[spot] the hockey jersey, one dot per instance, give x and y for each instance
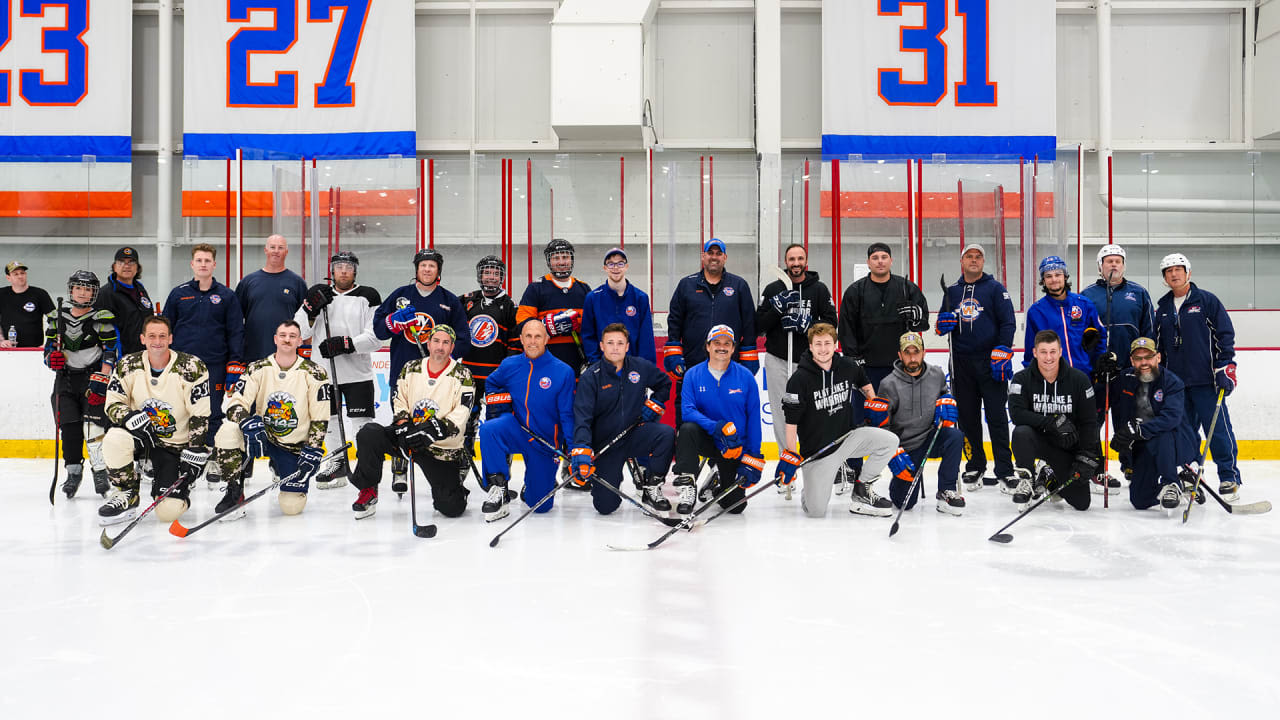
(350, 315)
(293, 401)
(176, 400)
(88, 340)
(448, 395)
(492, 325)
(734, 397)
(1069, 318)
(544, 297)
(604, 307)
(440, 305)
(541, 394)
(985, 314)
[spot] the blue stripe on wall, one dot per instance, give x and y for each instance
(923, 146)
(65, 148)
(272, 146)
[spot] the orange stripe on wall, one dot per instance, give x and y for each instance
(260, 203)
(936, 205)
(66, 204)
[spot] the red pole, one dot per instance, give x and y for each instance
(511, 245)
(329, 243)
(1110, 204)
(702, 198)
(835, 228)
(303, 216)
(622, 200)
(650, 230)
(1000, 227)
(528, 181)
(919, 217)
(502, 213)
(960, 208)
(420, 227)
(911, 230)
(240, 214)
(337, 225)
(227, 253)
(806, 208)
(1022, 232)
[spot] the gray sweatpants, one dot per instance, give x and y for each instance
(775, 376)
(877, 445)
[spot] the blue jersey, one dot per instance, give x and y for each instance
(442, 306)
(1132, 314)
(696, 307)
(734, 397)
(1069, 318)
(266, 300)
(985, 315)
(541, 394)
(544, 297)
(1196, 340)
(604, 307)
(207, 324)
(608, 400)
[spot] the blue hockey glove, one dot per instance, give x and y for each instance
(876, 411)
(1225, 377)
(652, 411)
(788, 463)
(749, 471)
(947, 322)
(496, 405)
(902, 467)
(255, 436)
(673, 360)
(1002, 363)
(728, 440)
(784, 301)
(309, 461)
(945, 413)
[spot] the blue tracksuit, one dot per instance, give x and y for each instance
(1132, 315)
(209, 325)
(609, 401)
(1171, 441)
(541, 400)
(443, 307)
(604, 307)
(695, 309)
(1194, 343)
(734, 397)
(1068, 317)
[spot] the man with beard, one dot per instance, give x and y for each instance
(1071, 316)
(876, 310)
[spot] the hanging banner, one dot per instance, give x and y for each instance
(294, 78)
(918, 77)
(65, 108)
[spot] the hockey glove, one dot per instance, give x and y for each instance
(876, 411)
(1064, 432)
(308, 462)
(563, 322)
(318, 296)
(1090, 339)
(902, 467)
(1082, 467)
(749, 358)
(410, 436)
(1225, 377)
(728, 440)
(335, 346)
(496, 405)
(96, 393)
(944, 412)
(1122, 442)
(784, 301)
(1108, 367)
(139, 425)
(583, 462)
(652, 411)
(55, 360)
(1001, 363)
(947, 322)
(407, 319)
(191, 463)
(911, 314)
(785, 472)
(438, 429)
(796, 322)
(673, 360)
(1134, 429)
(255, 436)
(234, 371)
(749, 471)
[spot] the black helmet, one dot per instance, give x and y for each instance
(346, 256)
(491, 261)
(429, 254)
(555, 247)
(83, 278)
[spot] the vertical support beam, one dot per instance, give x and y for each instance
(768, 124)
(836, 287)
(164, 155)
(1103, 17)
(622, 202)
(528, 194)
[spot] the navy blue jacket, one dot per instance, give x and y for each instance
(735, 397)
(1168, 401)
(604, 306)
(609, 401)
(1197, 340)
(541, 394)
(1132, 314)
(441, 305)
(207, 324)
(694, 310)
(985, 313)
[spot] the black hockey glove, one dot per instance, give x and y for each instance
(191, 463)
(1083, 466)
(1090, 338)
(318, 296)
(1063, 432)
(911, 314)
(139, 426)
(411, 436)
(1108, 367)
(335, 346)
(438, 429)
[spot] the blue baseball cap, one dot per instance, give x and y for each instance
(714, 242)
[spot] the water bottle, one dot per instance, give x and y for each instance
(13, 336)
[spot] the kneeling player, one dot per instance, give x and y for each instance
(159, 400)
(824, 400)
(611, 397)
(720, 407)
(432, 403)
(1055, 430)
(292, 394)
(1156, 442)
(528, 393)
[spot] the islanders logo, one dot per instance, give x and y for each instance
(634, 377)
(484, 331)
(280, 416)
(424, 410)
(421, 330)
(161, 415)
(728, 292)
(631, 311)
(215, 298)
(1076, 312)
(544, 383)
(1159, 396)
(969, 309)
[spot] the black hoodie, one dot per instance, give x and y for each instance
(1035, 401)
(823, 404)
(815, 298)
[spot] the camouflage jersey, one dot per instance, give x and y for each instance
(175, 397)
(293, 402)
(448, 395)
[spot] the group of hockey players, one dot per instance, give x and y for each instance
(569, 379)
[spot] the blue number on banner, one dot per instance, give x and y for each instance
(337, 90)
(68, 40)
(5, 30)
(925, 39)
(976, 89)
(277, 39)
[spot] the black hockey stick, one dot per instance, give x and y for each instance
(1253, 508)
(1005, 538)
(57, 409)
(893, 529)
(1106, 403)
(110, 542)
(1208, 438)
(422, 531)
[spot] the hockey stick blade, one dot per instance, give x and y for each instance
(424, 531)
(178, 530)
(1254, 508)
(1003, 538)
(110, 542)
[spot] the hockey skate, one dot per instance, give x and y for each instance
(231, 499)
(972, 480)
(651, 493)
(399, 476)
(844, 477)
(709, 490)
(950, 502)
(688, 493)
(1187, 476)
(1022, 493)
(120, 506)
(865, 501)
(1008, 484)
(1101, 483)
(75, 473)
(1043, 479)
(366, 503)
(1228, 489)
(333, 473)
(101, 481)
(497, 504)
(1171, 495)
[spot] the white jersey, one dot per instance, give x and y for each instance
(448, 396)
(293, 402)
(176, 398)
(350, 314)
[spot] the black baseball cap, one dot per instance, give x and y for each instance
(876, 247)
(127, 253)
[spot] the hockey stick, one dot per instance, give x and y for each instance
(110, 542)
(1253, 508)
(951, 377)
(1005, 538)
(333, 377)
(57, 406)
(1106, 403)
(786, 283)
(422, 531)
(893, 529)
(1208, 438)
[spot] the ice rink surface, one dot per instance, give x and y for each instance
(1106, 613)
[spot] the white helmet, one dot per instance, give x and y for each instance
(1110, 250)
(1174, 260)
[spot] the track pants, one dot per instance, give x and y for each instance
(1030, 445)
(978, 394)
(503, 437)
(374, 442)
(651, 444)
(1201, 399)
(693, 443)
(950, 447)
(877, 445)
(775, 376)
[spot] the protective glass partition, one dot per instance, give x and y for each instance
(368, 206)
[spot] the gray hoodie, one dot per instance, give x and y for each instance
(911, 401)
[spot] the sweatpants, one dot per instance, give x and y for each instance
(1200, 401)
(503, 437)
(978, 394)
(652, 444)
(950, 447)
(877, 445)
(694, 443)
(1030, 445)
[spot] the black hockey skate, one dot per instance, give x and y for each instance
(75, 473)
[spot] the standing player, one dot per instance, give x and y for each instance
(267, 297)
(158, 401)
(291, 395)
(420, 305)
(1071, 315)
(528, 393)
(784, 317)
(721, 421)
(618, 301)
(614, 393)
(556, 300)
(491, 321)
(433, 400)
(350, 310)
(824, 401)
(876, 310)
(1055, 434)
(81, 348)
(1197, 342)
(126, 297)
(978, 309)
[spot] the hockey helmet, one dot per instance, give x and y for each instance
(83, 278)
(491, 262)
(1053, 263)
(1174, 260)
(558, 246)
(346, 256)
(429, 254)
(1109, 250)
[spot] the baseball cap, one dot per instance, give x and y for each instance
(720, 331)
(909, 339)
(15, 265)
(714, 242)
(1142, 343)
(615, 251)
(876, 247)
(446, 329)
(972, 246)
(127, 253)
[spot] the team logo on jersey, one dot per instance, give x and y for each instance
(544, 383)
(115, 386)
(969, 309)
(1193, 309)
(728, 292)
(1076, 312)
(631, 311)
(484, 331)
(634, 377)
(280, 417)
(215, 299)
(734, 391)
(421, 332)
(161, 415)
(424, 410)
(1131, 296)
(402, 302)
(29, 307)
(146, 302)
(1159, 396)
(286, 291)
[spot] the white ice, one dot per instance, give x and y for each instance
(770, 614)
